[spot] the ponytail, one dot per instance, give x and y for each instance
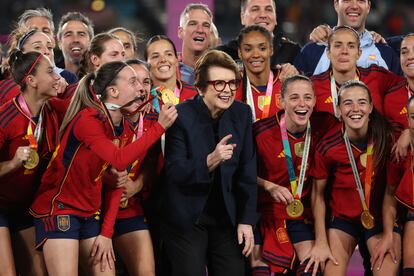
(82, 98)
(379, 129)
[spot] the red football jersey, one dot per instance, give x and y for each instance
(332, 163)
(401, 175)
(134, 207)
(18, 187)
(72, 183)
(259, 96)
(271, 159)
(8, 90)
(378, 80)
(395, 107)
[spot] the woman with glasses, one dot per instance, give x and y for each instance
(161, 55)
(209, 200)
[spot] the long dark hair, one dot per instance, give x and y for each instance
(379, 129)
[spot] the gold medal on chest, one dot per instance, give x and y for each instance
(32, 161)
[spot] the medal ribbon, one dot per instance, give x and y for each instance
(268, 97)
(334, 94)
(33, 138)
(177, 93)
(137, 135)
(296, 188)
(409, 92)
(368, 172)
(155, 101)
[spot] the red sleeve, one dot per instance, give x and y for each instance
(59, 106)
(390, 80)
(395, 172)
(112, 200)
(321, 166)
(90, 131)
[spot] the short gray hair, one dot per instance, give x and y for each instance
(39, 12)
(194, 6)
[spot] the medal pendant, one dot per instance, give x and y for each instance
(367, 220)
(295, 209)
(168, 96)
(32, 161)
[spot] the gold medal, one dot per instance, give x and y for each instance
(367, 220)
(295, 209)
(116, 142)
(299, 149)
(167, 96)
(32, 161)
(124, 204)
(363, 159)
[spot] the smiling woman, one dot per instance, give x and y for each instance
(261, 86)
(210, 176)
(354, 168)
(28, 137)
(161, 55)
(93, 135)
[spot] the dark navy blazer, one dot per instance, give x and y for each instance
(187, 181)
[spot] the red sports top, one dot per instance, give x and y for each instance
(8, 90)
(134, 207)
(259, 96)
(72, 183)
(401, 175)
(18, 187)
(271, 159)
(332, 163)
(395, 106)
(379, 81)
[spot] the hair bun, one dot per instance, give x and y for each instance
(15, 54)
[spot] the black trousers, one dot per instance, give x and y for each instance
(210, 245)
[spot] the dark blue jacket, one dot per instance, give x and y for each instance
(187, 181)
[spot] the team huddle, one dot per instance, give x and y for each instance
(254, 157)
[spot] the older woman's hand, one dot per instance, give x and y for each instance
(245, 233)
(221, 153)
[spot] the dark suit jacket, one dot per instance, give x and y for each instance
(187, 181)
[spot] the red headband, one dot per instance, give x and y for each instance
(31, 68)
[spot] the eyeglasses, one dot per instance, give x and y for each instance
(219, 85)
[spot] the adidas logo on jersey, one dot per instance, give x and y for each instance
(281, 154)
(329, 100)
(403, 111)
